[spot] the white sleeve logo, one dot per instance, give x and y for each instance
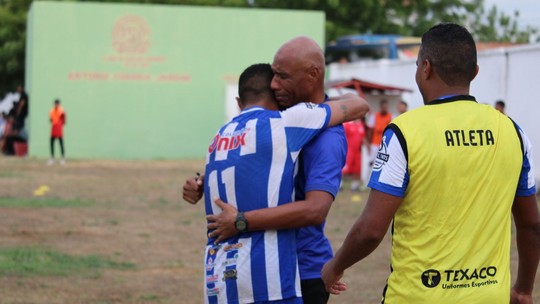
(382, 156)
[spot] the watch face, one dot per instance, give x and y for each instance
(241, 225)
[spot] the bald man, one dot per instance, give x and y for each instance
(299, 76)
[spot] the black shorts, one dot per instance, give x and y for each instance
(314, 292)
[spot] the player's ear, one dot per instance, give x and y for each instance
(427, 69)
(314, 72)
(476, 71)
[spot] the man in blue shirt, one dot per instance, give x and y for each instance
(299, 76)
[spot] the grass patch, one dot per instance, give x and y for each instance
(144, 235)
(9, 174)
(112, 222)
(149, 297)
(43, 202)
(36, 261)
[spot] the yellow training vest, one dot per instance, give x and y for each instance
(451, 234)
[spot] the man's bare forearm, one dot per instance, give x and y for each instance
(527, 221)
(346, 108)
(312, 211)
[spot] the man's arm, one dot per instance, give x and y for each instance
(347, 107)
(364, 236)
(311, 211)
(21, 104)
(322, 160)
(192, 191)
(527, 221)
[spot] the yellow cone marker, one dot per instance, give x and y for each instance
(41, 190)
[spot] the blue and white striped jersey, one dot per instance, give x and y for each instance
(250, 164)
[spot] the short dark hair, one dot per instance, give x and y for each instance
(255, 82)
(57, 100)
(451, 50)
(500, 103)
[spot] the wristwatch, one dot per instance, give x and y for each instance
(241, 223)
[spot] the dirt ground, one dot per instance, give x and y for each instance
(138, 216)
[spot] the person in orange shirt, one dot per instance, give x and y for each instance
(58, 120)
(377, 123)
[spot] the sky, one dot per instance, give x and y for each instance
(529, 10)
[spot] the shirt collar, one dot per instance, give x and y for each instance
(451, 98)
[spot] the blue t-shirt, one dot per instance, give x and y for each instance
(320, 165)
(250, 165)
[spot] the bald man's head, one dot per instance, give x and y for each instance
(299, 72)
(303, 50)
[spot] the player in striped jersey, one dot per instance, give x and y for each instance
(250, 163)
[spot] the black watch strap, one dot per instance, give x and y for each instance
(241, 223)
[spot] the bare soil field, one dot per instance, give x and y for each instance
(134, 213)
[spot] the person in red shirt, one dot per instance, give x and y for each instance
(58, 120)
(355, 131)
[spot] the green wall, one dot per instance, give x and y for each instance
(144, 81)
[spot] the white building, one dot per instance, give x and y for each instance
(508, 74)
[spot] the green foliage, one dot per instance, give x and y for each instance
(35, 261)
(410, 17)
(12, 43)
(43, 203)
(407, 17)
(494, 25)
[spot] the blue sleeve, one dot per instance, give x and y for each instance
(527, 183)
(390, 172)
(322, 160)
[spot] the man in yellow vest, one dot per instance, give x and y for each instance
(449, 174)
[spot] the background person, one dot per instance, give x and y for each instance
(3, 121)
(58, 120)
(355, 131)
(402, 107)
(20, 108)
(500, 106)
(449, 175)
(12, 135)
(377, 122)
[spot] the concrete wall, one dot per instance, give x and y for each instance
(145, 81)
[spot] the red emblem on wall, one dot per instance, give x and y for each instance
(131, 34)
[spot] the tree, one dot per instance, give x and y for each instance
(495, 26)
(406, 17)
(12, 43)
(410, 17)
